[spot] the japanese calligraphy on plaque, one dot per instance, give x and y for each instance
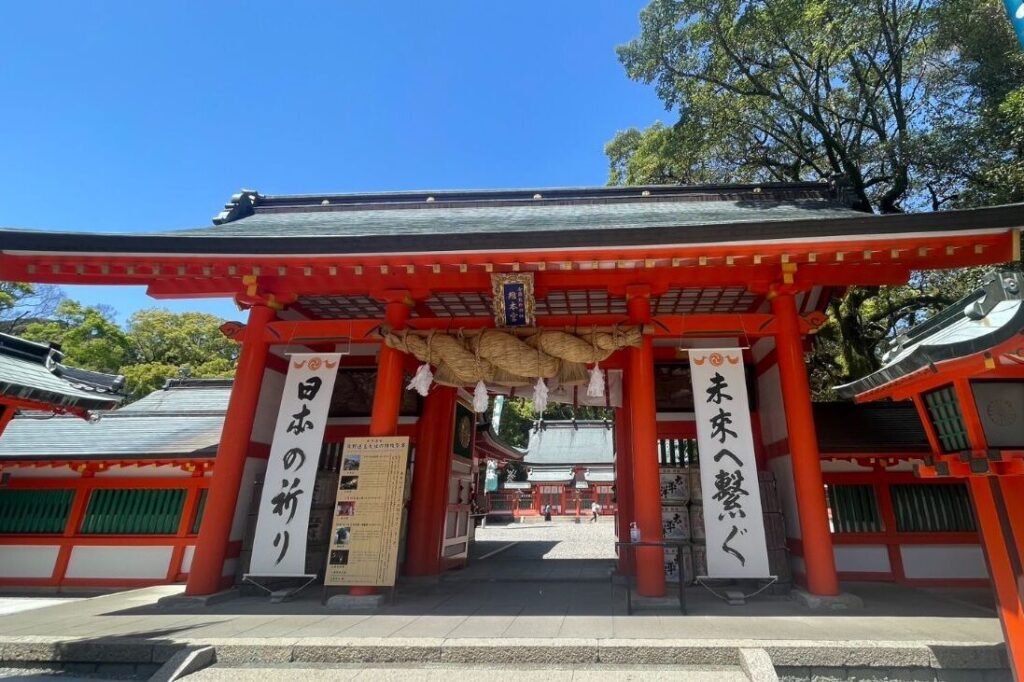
(733, 522)
(279, 545)
(363, 545)
(513, 299)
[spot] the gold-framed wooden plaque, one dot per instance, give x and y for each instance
(513, 299)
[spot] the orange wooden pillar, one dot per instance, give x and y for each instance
(387, 392)
(430, 483)
(650, 561)
(623, 480)
(205, 576)
(803, 447)
(999, 508)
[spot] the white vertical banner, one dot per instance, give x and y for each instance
(279, 546)
(733, 520)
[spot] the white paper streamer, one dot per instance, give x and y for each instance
(421, 380)
(480, 397)
(595, 389)
(540, 396)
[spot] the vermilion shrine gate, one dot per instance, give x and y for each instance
(741, 266)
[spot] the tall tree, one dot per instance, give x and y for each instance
(917, 103)
(790, 89)
(157, 344)
(21, 304)
(88, 336)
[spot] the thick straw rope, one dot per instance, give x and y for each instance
(497, 357)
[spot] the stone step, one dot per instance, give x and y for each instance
(804, 660)
(442, 672)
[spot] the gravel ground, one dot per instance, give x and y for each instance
(556, 540)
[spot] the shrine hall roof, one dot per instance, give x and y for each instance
(489, 220)
(982, 320)
(34, 372)
(566, 442)
(183, 419)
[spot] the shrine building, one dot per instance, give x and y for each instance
(593, 294)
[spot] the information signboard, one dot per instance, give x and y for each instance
(363, 545)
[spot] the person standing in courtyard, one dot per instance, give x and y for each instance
(595, 511)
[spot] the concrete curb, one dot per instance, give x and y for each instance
(780, 653)
(757, 665)
(185, 663)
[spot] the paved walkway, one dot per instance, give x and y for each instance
(519, 597)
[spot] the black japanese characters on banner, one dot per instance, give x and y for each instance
(279, 546)
(732, 512)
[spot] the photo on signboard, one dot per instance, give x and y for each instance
(345, 508)
(351, 463)
(342, 535)
(338, 557)
(348, 483)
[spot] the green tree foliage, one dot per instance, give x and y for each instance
(21, 304)
(88, 336)
(155, 346)
(166, 345)
(917, 103)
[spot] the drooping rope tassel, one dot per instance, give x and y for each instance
(480, 397)
(421, 380)
(540, 396)
(595, 389)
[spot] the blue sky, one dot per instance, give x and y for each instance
(142, 116)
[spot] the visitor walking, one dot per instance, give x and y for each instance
(595, 511)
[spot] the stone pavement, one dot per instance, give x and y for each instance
(444, 673)
(520, 607)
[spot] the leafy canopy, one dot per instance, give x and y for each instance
(918, 104)
(156, 344)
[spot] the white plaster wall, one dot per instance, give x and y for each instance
(186, 558)
(119, 562)
(862, 558)
(149, 471)
(254, 468)
(782, 467)
(769, 405)
(27, 561)
(943, 561)
(268, 406)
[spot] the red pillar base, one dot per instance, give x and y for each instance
(999, 506)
